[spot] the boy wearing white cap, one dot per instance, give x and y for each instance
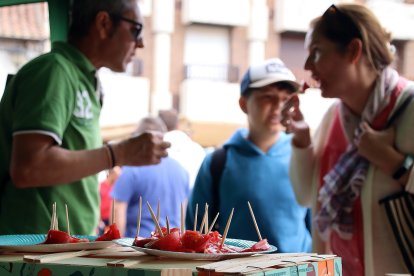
(256, 167)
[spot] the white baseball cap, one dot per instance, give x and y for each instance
(265, 73)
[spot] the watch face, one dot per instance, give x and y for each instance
(408, 161)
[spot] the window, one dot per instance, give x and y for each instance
(206, 53)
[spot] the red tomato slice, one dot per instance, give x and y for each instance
(76, 240)
(58, 237)
(262, 245)
(215, 237)
(194, 241)
(170, 242)
(214, 248)
(112, 234)
(164, 230)
(141, 242)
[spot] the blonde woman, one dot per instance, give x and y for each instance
(352, 161)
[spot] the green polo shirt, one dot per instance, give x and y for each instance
(55, 95)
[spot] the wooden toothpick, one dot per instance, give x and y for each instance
(158, 210)
(254, 221)
(55, 218)
(52, 217)
(157, 225)
(167, 222)
(195, 217)
(212, 224)
(67, 219)
(182, 219)
(204, 221)
(226, 230)
(139, 216)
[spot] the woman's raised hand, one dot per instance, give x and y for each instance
(293, 121)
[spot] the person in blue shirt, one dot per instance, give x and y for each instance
(256, 167)
(166, 183)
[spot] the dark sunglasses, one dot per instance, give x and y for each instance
(341, 23)
(136, 31)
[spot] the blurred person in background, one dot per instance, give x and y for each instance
(50, 142)
(185, 125)
(183, 149)
(352, 161)
(256, 167)
(165, 183)
(105, 188)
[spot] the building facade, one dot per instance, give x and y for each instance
(197, 50)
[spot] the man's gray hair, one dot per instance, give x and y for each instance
(170, 118)
(150, 124)
(83, 13)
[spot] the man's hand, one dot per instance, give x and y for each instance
(146, 149)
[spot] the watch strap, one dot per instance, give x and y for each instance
(405, 166)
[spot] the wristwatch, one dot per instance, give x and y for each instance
(405, 166)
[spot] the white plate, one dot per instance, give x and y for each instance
(198, 256)
(32, 244)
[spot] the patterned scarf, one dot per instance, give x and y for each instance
(343, 184)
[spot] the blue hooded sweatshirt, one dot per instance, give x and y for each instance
(262, 179)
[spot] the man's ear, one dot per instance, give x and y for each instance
(355, 50)
(243, 104)
(104, 24)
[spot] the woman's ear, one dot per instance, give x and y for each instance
(243, 104)
(355, 50)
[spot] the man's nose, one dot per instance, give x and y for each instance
(139, 43)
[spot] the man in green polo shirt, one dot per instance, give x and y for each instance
(50, 143)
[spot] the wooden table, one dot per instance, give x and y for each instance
(145, 265)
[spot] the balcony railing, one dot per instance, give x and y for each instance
(226, 73)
